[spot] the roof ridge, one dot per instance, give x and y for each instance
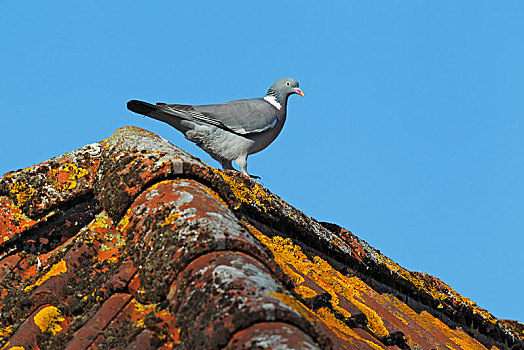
(108, 199)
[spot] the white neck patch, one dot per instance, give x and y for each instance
(273, 101)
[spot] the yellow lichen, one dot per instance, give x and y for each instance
(144, 309)
(402, 310)
(101, 221)
(18, 216)
(293, 303)
(459, 340)
(66, 177)
(114, 240)
(256, 196)
(352, 289)
(305, 292)
(55, 270)
(341, 329)
(6, 331)
(170, 219)
(399, 311)
(465, 341)
(101, 230)
(158, 184)
(123, 222)
(393, 266)
(296, 265)
(215, 195)
(435, 293)
(22, 192)
(48, 318)
(111, 260)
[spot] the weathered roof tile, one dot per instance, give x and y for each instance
(132, 243)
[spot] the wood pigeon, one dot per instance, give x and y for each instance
(230, 131)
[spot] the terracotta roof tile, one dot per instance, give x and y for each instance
(132, 243)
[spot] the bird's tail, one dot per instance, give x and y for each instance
(159, 112)
(141, 107)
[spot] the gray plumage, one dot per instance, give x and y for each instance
(230, 131)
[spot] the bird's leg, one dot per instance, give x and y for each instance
(242, 163)
(226, 165)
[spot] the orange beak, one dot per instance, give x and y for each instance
(298, 91)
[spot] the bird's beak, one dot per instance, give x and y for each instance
(298, 91)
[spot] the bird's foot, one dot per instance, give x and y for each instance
(249, 176)
(255, 179)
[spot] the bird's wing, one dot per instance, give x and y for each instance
(240, 116)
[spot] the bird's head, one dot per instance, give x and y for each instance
(284, 87)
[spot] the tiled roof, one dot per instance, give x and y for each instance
(131, 243)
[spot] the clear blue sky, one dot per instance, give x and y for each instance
(410, 134)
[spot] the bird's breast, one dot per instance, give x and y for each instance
(263, 139)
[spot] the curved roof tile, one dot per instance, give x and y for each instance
(132, 243)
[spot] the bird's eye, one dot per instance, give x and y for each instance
(287, 83)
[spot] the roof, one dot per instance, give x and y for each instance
(132, 243)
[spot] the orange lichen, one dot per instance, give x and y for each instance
(55, 270)
(107, 239)
(297, 265)
(139, 312)
(175, 335)
(66, 177)
(15, 221)
(102, 221)
(21, 192)
(48, 318)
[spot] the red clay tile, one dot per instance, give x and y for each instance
(132, 242)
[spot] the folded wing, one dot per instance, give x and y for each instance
(240, 116)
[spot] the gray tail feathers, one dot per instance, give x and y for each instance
(159, 113)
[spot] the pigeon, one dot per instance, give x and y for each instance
(230, 131)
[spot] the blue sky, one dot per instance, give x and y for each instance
(410, 134)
